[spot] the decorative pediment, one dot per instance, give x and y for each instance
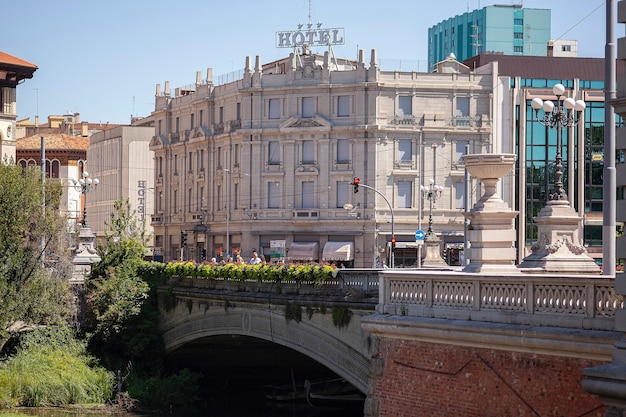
(158, 140)
(305, 123)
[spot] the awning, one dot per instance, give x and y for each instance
(338, 251)
(304, 251)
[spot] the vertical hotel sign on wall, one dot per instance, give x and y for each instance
(141, 199)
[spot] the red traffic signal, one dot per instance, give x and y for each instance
(355, 182)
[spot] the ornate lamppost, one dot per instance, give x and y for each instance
(559, 246)
(565, 113)
(84, 185)
(432, 192)
(84, 253)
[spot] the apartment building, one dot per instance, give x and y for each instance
(266, 162)
(121, 160)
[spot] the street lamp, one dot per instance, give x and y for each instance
(226, 170)
(432, 193)
(564, 113)
(84, 185)
(559, 247)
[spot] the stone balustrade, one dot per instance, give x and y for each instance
(539, 300)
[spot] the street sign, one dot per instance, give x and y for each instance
(419, 235)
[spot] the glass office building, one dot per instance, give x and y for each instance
(508, 29)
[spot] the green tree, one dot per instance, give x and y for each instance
(29, 293)
(115, 292)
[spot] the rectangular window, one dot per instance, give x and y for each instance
(273, 156)
(343, 151)
(404, 194)
(201, 121)
(308, 194)
(160, 125)
(462, 106)
(518, 35)
(189, 199)
(274, 108)
(273, 194)
(343, 193)
(238, 111)
(236, 155)
(405, 150)
(219, 198)
(190, 161)
(459, 194)
(405, 106)
(343, 106)
(518, 49)
(308, 152)
(518, 21)
(177, 125)
(193, 119)
(221, 115)
(308, 107)
(459, 149)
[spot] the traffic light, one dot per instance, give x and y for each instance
(183, 238)
(393, 243)
(355, 182)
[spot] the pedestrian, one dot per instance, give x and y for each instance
(255, 259)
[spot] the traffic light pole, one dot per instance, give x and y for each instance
(357, 184)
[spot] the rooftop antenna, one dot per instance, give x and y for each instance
(476, 38)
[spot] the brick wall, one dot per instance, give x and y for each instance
(427, 379)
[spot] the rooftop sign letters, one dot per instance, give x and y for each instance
(310, 36)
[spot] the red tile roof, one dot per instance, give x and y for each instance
(13, 60)
(54, 141)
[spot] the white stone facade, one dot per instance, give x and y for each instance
(271, 157)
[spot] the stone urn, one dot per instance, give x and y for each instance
(491, 232)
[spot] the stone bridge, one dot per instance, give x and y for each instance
(417, 339)
(322, 323)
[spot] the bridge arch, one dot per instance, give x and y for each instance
(343, 350)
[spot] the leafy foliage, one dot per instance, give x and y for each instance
(51, 367)
(28, 293)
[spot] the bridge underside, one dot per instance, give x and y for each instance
(343, 350)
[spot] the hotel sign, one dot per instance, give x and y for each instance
(311, 37)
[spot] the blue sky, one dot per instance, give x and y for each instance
(103, 59)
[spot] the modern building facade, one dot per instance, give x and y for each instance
(509, 29)
(121, 160)
(13, 70)
(267, 162)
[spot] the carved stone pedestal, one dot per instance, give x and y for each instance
(558, 248)
(85, 256)
(433, 258)
(491, 230)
